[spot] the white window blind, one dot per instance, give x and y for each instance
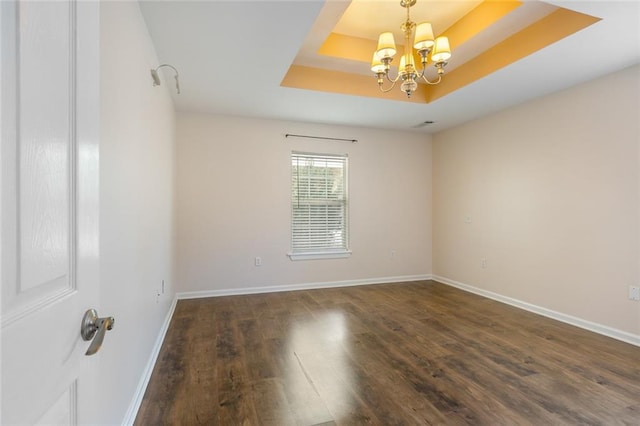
(319, 204)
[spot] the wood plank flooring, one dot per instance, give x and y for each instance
(418, 353)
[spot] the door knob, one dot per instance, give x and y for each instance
(95, 328)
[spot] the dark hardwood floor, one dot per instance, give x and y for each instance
(411, 353)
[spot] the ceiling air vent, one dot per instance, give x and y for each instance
(424, 123)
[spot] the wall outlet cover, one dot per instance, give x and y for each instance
(634, 292)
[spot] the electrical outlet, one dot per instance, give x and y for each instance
(634, 293)
(393, 254)
(467, 219)
(484, 263)
(258, 261)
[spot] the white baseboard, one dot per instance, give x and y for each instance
(134, 406)
(624, 336)
(293, 287)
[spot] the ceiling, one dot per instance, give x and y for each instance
(309, 60)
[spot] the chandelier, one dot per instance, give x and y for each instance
(423, 43)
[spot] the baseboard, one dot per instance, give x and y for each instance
(624, 336)
(130, 416)
(294, 287)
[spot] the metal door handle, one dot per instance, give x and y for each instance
(95, 328)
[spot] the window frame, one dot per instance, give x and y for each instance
(326, 252)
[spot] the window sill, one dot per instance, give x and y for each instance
(320, 255)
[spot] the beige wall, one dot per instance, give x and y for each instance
(552, 189)
(136, 206)
(234, 203)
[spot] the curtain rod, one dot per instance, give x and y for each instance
(320, 137)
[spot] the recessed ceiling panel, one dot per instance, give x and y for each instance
(484, 35)
(367, 18)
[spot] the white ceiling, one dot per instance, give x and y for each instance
(232, 56)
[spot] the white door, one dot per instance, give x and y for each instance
(49, 178)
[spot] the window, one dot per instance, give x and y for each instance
(318, 206)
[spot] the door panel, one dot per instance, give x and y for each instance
(43, 139)
(62, 411)
(49, 119)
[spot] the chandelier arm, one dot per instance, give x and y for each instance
(393, 80)
(426, 80)
(381, 81)
(389, 89)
